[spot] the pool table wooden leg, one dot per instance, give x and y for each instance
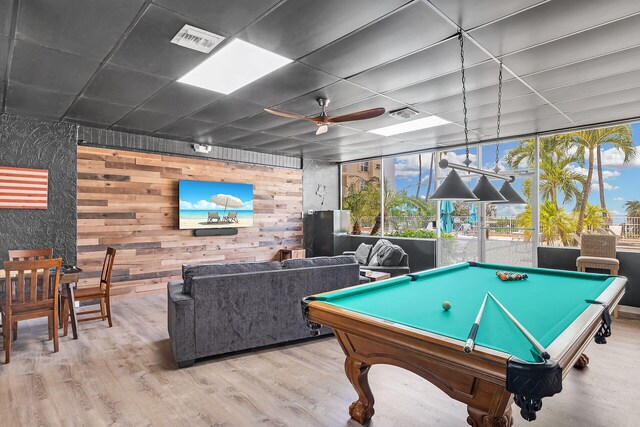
(479, 418)
(362, 409)
(582, 361)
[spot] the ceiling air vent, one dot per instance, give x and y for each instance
(196, 39)
(403, 114)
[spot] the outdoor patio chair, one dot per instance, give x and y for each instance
(214, 217)
(232, 217)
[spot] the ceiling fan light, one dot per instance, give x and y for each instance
(485, 192)
(511, 195)
(322, 129)
(453, 188)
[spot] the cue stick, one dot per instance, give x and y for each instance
(474, 329)
(539, 348)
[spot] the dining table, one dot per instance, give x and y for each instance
(69, 276)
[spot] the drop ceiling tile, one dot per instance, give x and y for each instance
(359, 138)
(6, 6)
(90, 110)
(37, 102)
(148, 47)
(601, 114)
(333, 132)
(530, 127)
(123, 86)
(228, 109)
(187, 128)
(340, 93)
(294, 127)
(222, 15)
(479, 76)
(600, 101)
(618, 82)
(589, 44)
(603, 66)
(49, 69)
(179, 99)
(144, 121)
(488, 95)
(429, 132)
(521, 103)
(397, 34)
(222, 134)
(548, 22)
(472, 13)
(426, 64)
(260, 121)
(254, 139)
(288, 82)
(89, 28)
(296, 28)
(511, 118)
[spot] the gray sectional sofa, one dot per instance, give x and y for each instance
(221, 308)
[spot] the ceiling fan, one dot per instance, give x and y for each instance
(323, 121)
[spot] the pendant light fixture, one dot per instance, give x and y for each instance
(508, 193)
(453, 188)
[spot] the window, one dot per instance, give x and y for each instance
(361, 196)
(588, 184)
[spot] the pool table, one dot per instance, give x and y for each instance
(401, 322)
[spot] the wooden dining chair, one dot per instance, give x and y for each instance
(100, 292)
(30, 291)
(28, 255)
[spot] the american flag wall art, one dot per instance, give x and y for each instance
(22, 188)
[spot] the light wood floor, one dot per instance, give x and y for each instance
(126, 376)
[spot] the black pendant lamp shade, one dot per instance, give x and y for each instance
(485, 192)
(453, 188)
(511, 195)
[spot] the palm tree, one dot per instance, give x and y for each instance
(554, 175)
(589, 142)
(555, 223)
(594, 217)
(633, 208)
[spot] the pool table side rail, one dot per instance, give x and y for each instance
(367, 326)
(571, 343)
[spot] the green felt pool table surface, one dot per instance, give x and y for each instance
(545, 303)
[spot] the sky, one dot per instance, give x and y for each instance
(196, 195)
(620, 181)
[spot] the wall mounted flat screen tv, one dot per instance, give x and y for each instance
(206, 204)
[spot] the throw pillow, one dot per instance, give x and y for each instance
(390, 255)
(362, 253)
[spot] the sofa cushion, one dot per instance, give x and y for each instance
(362, 253)
(318, 261)
(193, 270)
(390, 255)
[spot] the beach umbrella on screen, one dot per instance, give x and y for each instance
(473, 214)
(446, 220)
(227, 201)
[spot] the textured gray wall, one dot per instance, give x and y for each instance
(326, 197)
(32, 143)
(325, 174)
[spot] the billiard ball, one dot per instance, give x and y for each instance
(446, 305)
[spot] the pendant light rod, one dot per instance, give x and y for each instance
(444, 163)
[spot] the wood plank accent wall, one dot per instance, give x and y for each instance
(129, 200)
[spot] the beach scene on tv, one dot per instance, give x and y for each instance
(215, 205)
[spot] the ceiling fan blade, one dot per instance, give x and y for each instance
(322, 129)
(360, 115)
(285, 114)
